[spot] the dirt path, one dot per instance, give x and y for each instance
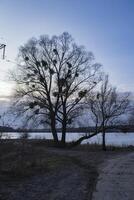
(116, 179)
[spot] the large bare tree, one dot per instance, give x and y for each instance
(106, 106)
(52, 78)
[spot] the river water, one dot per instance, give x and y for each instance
(116, 139)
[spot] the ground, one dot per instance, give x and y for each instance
(116, 179)
(30, 170)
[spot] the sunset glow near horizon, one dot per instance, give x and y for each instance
(105, 27)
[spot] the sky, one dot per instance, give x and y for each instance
(105, 27)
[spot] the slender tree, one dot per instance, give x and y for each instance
(106, 106)
(53, 76)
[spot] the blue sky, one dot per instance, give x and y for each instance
(105, 27)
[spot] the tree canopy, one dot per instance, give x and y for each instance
(53, 77)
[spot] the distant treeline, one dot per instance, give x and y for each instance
(118, 128)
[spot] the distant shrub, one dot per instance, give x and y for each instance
(24, 136)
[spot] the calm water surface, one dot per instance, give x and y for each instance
(117, 139)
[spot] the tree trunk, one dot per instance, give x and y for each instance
(54, 131)
(64, 126)
(55, 136)
(79, 141)
(103, 140)
(63, 139)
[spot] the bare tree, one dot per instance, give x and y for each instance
(106, 106)
(130, 120)
(53, 77)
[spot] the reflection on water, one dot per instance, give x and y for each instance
(117, 139)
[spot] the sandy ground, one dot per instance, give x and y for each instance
(116, 179)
